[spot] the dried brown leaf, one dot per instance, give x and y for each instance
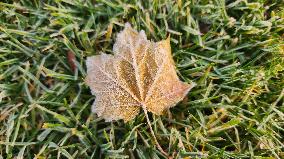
(141, 73)
(71, 60)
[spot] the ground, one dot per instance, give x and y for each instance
(232, 50)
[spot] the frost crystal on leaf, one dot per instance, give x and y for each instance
(140, 74)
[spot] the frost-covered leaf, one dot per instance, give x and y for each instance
(140, 74)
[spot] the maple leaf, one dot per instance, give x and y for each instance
(141, 73)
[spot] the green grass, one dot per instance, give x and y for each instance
(233, 50)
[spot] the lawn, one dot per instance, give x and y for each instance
(232, 49)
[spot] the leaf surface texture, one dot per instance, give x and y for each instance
(141, 73)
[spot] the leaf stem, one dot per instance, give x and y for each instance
(152, 132)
